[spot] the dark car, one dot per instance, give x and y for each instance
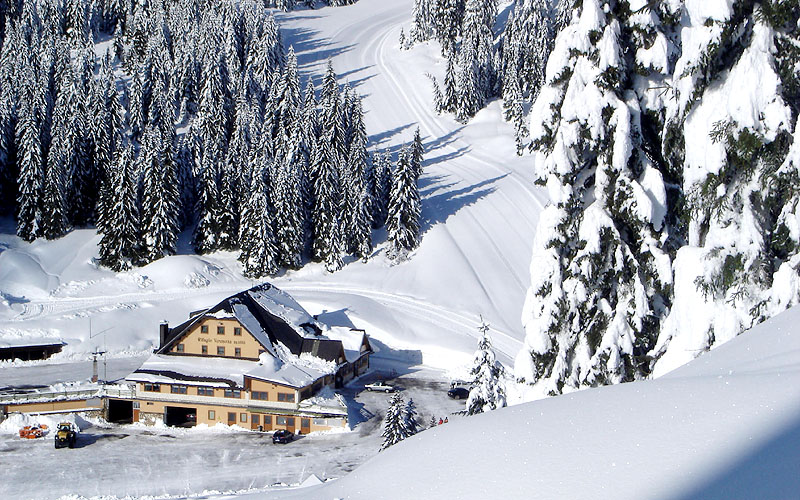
(282, 436)
(458, 393)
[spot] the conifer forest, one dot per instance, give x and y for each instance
(146, 119)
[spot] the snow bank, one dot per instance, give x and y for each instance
(724, 426)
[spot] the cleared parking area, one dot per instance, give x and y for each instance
(136, 460)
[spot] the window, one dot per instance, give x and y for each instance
(220, 350)
(280, 420)
(243, 417)
(305, 424)
(212, 415)
(267, 419)
(237, 331)
(233, 393)
(204, 349)
(152, 387)
(319, 421)
(204, 329)
(287, 398)
(220, 330)
(259, 395)
(231, 418)
(205, 391)
(178, 389)
(179, 348)
(256, 419)
(237, 351)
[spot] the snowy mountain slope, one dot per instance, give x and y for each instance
(480, 209)
(724, 426)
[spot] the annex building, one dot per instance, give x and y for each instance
(258, 360)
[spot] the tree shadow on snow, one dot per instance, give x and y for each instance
(311, 49)
(378, 139)
(335, 318)
(771, 470)
(439, 207)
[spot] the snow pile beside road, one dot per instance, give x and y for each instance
(17, 421)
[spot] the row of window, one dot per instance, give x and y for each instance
(221, 330)
(237, 351)
(256, 419)
(228, 393)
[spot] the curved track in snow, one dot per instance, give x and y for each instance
(480, 209)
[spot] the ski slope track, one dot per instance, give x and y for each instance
(479, 213)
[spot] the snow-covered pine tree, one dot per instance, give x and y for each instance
(381, 185)
(54, 204)
(307, 141)
(513, 106)
(423, 28)
(285, 105)
(527, 43)
(31, 165)
(208, 200)
(288, 202)
(105, 131)
(417, 153)
(448, 17)
(259, 253)
(731, 126)
(410, 423)
(476, 72)
(210, 122)
(160, 197)
(228, 221)
(487, 388)
(120, 246)
(394, 428)
(402, 224)
(332, 134)
(599, 276)
(357, 197)
(327, 242)
(450, 96)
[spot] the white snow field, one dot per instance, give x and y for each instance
(725, 426)
(480, 209)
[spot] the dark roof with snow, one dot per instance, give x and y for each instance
(272, 317)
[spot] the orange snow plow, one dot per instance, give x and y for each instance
(32, 431)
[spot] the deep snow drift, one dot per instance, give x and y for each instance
(724, 426)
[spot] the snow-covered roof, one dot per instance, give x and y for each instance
(12, 342)
(219, 372)
(351, 340)
(268, 313)
(287, 374)
(227, 372)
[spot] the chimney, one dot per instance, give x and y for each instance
(163, 331)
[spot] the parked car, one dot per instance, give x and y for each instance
(380, 386)
(282, 436)
(458, 393)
